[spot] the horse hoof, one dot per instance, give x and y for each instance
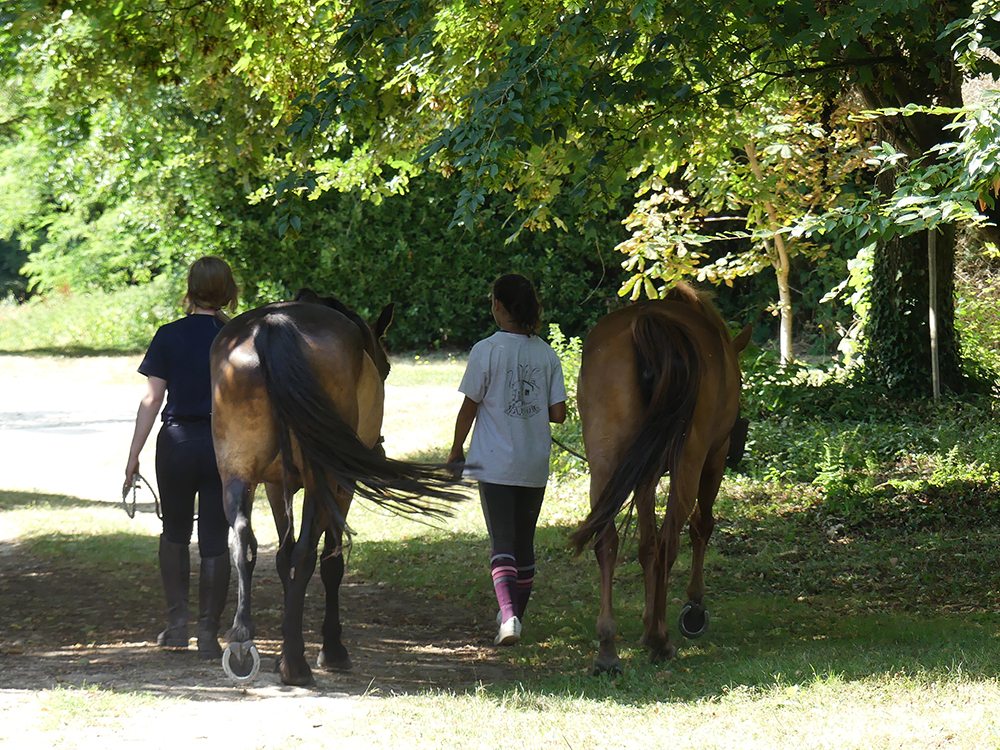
(614, 668)
(664, 653)
(328, 664)
(300, 677)
(693, 621)
(241, 662)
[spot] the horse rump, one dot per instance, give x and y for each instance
(667, 379)
(332, 452)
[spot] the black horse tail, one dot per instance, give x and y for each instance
(331, 450)
(668, 374)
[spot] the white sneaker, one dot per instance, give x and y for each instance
(510, 633)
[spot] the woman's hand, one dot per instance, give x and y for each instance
(149, 407)
(131, 473)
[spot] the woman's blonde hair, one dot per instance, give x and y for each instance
(211, 286)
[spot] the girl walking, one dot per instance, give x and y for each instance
(513, 386)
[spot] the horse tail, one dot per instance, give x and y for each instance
(331, 450)
(668, 376)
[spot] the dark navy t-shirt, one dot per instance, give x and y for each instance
(178, 354)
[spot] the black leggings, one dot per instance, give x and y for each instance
(185, 467)
(511, 514)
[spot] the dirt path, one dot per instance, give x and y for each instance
(64, 430)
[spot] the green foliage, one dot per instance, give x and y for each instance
(978, 312)
(405, 251)
(12, 284)
(871, 462)
(537, 102)
(94, 321)
(570, 433)
(950, 182)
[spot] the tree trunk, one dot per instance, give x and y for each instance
(898, 347)
(898, 351)
(782, 269)
(781, 263)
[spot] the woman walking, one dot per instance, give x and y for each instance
(176, 368)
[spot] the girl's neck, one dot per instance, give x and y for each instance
(203, 311)
(505, 320)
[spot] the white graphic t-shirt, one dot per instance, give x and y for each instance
(514, 379)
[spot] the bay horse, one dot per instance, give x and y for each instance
(658, 392)
(297, 400)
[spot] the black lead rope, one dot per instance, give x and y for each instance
(137, 480)
(568, 449)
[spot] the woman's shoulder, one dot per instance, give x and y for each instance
(191, 322)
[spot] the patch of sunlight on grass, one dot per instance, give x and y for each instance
(878, 712)
(96, 519)
(92, 706)
(416, 370)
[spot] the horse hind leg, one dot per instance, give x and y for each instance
(684, 486)
(285, 561)
(240, 658)
(693, 620)
(652, 558)
(606, 552)
(292, 663)
(333, 657)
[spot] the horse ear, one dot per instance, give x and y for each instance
(743, 338)
(384, 319)
(305, 294)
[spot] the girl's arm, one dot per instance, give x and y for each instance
(557, 412)
(463, 423)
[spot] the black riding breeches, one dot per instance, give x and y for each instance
(185, 467)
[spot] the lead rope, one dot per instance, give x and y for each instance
(568, 449)
(139, 479)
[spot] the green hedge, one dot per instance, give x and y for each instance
(404, 252)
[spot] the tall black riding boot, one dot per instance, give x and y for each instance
(175, 570)
(212, 590)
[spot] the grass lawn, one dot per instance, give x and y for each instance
(824, 634)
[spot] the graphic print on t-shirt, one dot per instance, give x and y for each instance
(523, 392)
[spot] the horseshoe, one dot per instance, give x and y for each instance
(247, 651)
(693, 621)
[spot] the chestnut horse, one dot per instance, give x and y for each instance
(658, 393)
(297, 397)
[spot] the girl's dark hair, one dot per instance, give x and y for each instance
(210, 285)
(518, 297)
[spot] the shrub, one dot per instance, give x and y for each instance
(95, 321)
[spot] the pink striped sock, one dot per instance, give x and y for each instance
(505, 584)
